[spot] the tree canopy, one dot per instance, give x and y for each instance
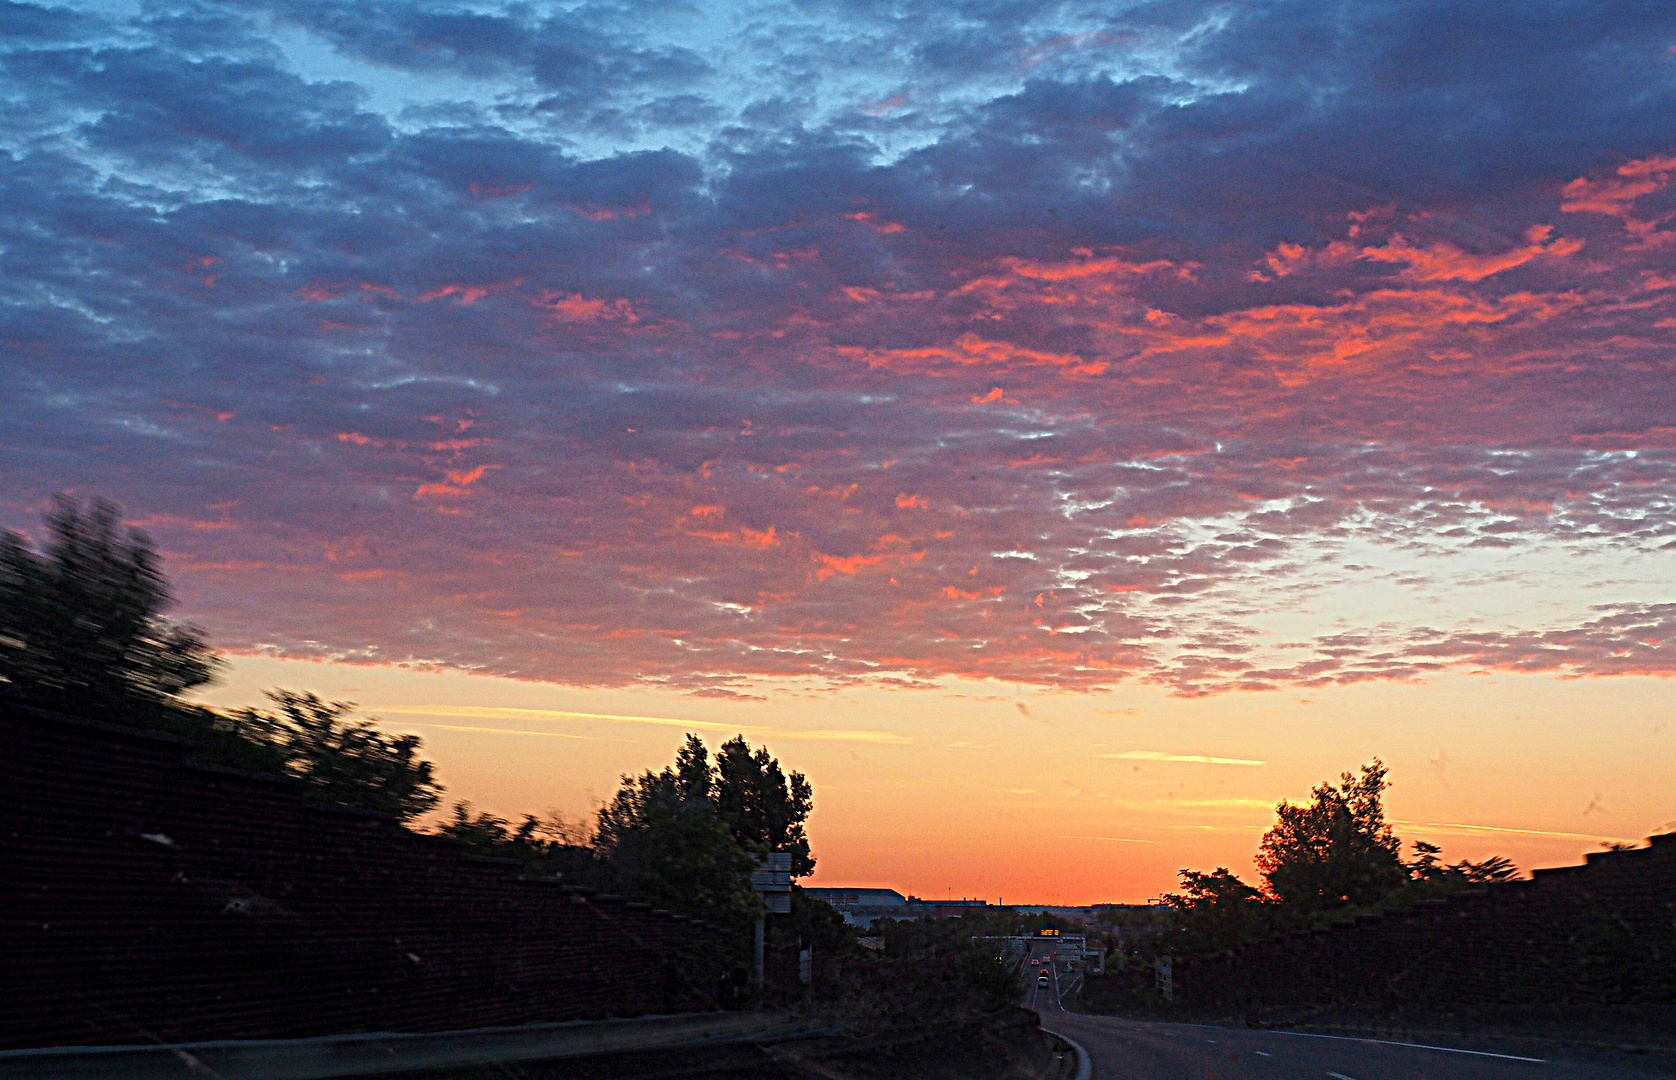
(1215, 911)
(666, 843)
(348, 762)
(1336, 849)
(82, 631)
(1427, 868)
(81, 621)
(763, 806)
(1334, 853)
(687, 836)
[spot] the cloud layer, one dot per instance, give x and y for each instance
(1210, 346)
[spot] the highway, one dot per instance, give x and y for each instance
(1121, 1049)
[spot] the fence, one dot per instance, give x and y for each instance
(153, 899)
(1599, 934)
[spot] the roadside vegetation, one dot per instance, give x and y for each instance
(1327, 859)
(84, 631)
(1331, 857)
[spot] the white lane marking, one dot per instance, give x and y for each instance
(1340, 1076)
(1262, 1053)
(1415, 1046)
(1387, 1042)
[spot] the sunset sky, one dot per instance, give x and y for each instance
(1060, 430)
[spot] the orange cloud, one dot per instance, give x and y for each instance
(574, 307)
(952, 593)
(850, 565)
(595, 212)
(1032, 270)
(170, 521)
(1444, 261)
(884, 228)
(466, 479)
(332, 290)
(970, 349)
(462, 294)
(1615, 196)
(743, 536)
(459, 482)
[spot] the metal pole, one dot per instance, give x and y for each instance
(759, 943)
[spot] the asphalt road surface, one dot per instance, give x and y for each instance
(1142, 1050)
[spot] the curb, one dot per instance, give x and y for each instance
(1085, 1065)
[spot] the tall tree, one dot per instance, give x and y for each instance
(1214, 911)
(81, 622)
(664, 842)
(1427, 868)
(345, 761)
(763, 806)
(1336, 849)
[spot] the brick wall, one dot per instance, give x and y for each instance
(148, 898)
(1599, 934)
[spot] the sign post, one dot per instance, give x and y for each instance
(772, 881)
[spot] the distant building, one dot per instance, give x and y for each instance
(849, 898)
(946, 909)
(1088, 914)
(862, 907)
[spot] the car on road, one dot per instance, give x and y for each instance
(1041, 980)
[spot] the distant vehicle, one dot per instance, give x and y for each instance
(1041, 980)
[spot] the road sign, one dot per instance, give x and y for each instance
(772, 881)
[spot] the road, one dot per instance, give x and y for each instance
(1121, 1049)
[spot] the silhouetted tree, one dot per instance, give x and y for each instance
(481, 830)
(81, 623)
(1428, 868)
(665, 843)
(1336, 849)
(548, 847)
(763, 806)
(344, 761)
(1214, 911)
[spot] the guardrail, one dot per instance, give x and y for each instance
(371, 1054)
